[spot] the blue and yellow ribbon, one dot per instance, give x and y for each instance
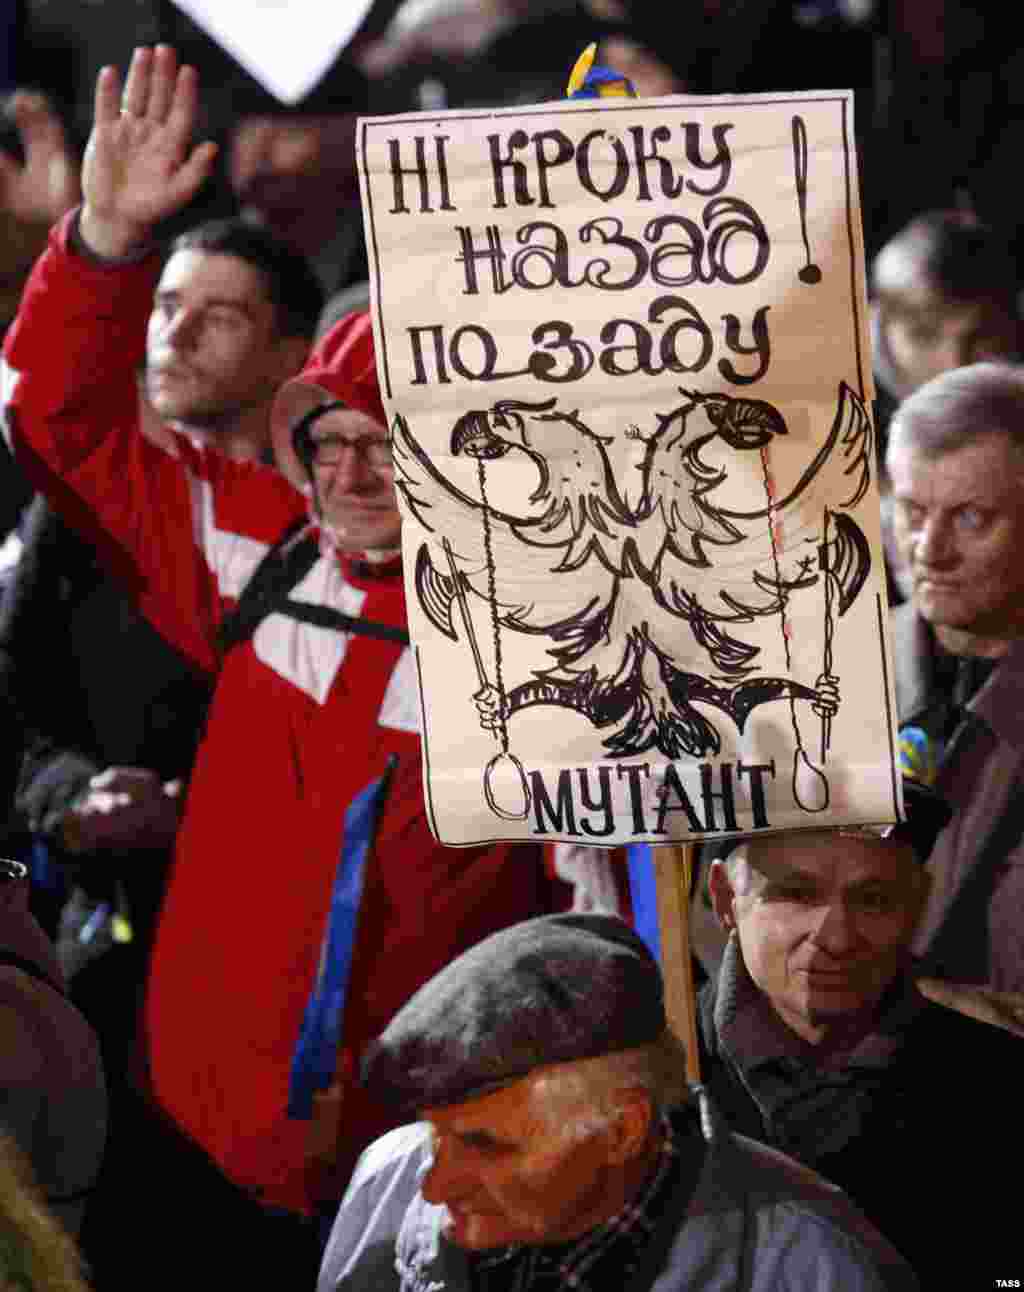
(590, 81)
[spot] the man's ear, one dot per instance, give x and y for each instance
(631, 1126)
(722, 895)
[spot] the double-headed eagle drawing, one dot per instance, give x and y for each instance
(675, 577)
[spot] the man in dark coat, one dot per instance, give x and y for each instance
(815, 1040)
(558, 1147)
(956, 462)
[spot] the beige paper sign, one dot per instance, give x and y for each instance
(622, 346)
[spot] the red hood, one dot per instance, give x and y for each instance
(343, 364)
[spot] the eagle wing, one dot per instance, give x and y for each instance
(786, 545)
(487, 551)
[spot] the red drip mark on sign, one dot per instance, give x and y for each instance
(775, 535)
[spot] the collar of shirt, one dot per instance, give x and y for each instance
(753, 1036)
(926, 689)
(748, 1029)
(358, 567)
(603, 1257)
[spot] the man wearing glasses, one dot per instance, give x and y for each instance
(311, 751)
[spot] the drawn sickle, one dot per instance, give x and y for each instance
(503, 755)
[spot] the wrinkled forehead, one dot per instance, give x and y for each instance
(523, 1105)
(504, 1107)
(215, 274)
(985, 469)
(828, 859)
(928, 305)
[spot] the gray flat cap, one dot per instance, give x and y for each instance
(549, 990)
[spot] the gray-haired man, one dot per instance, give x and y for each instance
(815, 1040)
(956, 463)
(557, 1147)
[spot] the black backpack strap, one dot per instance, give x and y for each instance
(283, 567)
(327, 617)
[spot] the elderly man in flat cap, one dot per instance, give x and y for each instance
(558, 1148)
(815, 1040)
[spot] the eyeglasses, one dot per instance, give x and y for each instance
(326, 451)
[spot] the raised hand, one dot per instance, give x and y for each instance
(140, 166)
(47, 185)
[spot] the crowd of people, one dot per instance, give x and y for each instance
(235, 965)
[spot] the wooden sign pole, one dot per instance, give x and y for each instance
(673, 870)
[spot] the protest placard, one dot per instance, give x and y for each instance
(622, 346)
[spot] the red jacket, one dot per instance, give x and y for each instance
(302, 719)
